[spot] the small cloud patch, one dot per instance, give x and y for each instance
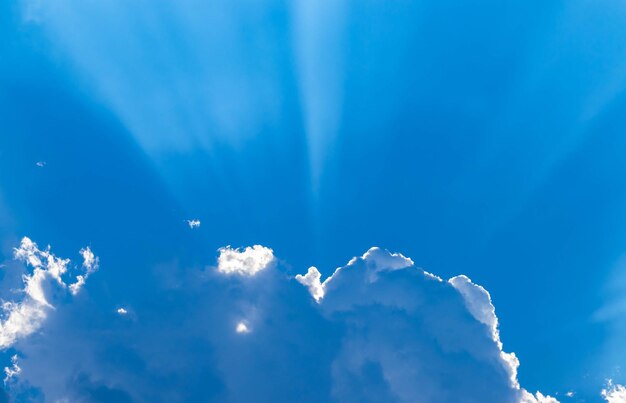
(242, 328)
(193, 224)
(248, 261)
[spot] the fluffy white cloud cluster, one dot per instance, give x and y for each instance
(476, 300)
(25, 316)
(614, 393)
(376, 260)
(312, 281)
(378, 330)
(449, 333)
(248, 261)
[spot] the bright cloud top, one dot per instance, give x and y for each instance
(248, 261)
(41, 287)
(378, 329)
(478, 303)
(312, 281)
(614, 393)
(371, 280)
(376, 260)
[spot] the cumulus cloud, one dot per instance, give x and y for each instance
(614, 393)
(248, 261)
(376, 259)
(378, 329)
(312, 281)
(45, 283)
(448, 336)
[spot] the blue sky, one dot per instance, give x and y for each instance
(483, 139)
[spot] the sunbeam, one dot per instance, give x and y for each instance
(210, 152)
(320, 45)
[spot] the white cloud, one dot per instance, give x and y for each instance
(90, 261)
(538, 397)
(77, 285)
(478, 302)
(122, 311)
(380, 260)
(376, 260)
(389, 284)
(90, 265)
(311, 280)
(614, 393)
(193, 223)
(24, 317)
(381, 330)
(242, 328)
(41, 164)
(248, 261)
(21, 319)
(12, 371)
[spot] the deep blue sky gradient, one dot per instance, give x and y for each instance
(485, 139)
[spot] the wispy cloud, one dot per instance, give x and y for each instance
(12, 371)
